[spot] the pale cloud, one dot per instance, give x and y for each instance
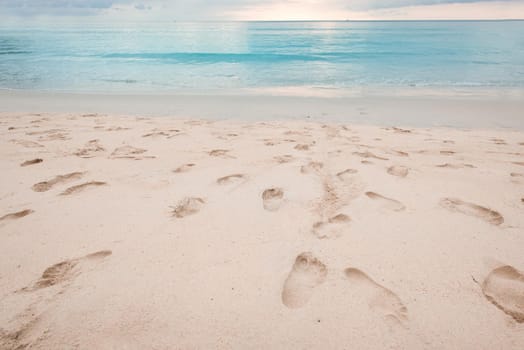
(264, 10)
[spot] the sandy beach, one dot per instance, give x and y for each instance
(133, 232)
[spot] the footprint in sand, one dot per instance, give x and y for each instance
(286, 158)
(386, 202)
(31, 162)
(471, 209)
(380, 299)
(368, 154)
(82, 187)
(17, 215)
(90, 150)
(302, 147)
(346, 175)
(129, 152)
(223, 153)
(272, 198)
(47, 185)
(456, 166)
(331, 228)
(184, 168)
(399, 130)
(188, 206)
(398, 153)
(231, 179)
(65, 270)
(307, 273)
(398, 170)
(504, 288)
(26, 143)
(311, 168)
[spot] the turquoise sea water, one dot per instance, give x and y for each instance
(169, 56)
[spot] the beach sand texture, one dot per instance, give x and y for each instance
(131, 233)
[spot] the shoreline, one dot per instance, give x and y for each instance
(473, 109)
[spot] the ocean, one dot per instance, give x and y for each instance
(168, 56)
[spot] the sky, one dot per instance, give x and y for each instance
(124, 10)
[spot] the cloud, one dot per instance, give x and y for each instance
(229, 9)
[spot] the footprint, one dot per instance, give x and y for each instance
(398, 170)
(504, 288)
(388, 203)
(380, 299)
(17, 215)
(224, 153)
(519, 163)
(26, 143)
(311, 168)
(31, 162)
(332, 227)
(64, 271)
(184, 168)
(286, 158)
(82, 187)
(129, 152)
(471, 209)
(231, 179)
(368, 154)
(307, 273)
(447, 153)
(456, 166)
(345, 175)
(272, 198)
(90, 150)
(400, 131)
(302, 147)
(188, 206)
(47, 185)
(399, 153)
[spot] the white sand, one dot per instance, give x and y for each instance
(173, 234)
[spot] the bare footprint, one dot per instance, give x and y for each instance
(184, 168)
(387, 203)
(456, 166)
(286, 158)
(331, 228)
(47, 185)
(380, 298)
(302, 147)
(82, 187)
(398, 170)
(90, 149)
(128, 152)
(231, 179)
(31, 162)
(64, 271)
(272, 198)
(307, 273)
(311, 168)
(224, 153)
(368, 154)
(471, 209)
(504, 288)
(188, 206)
(400, 130)
(26, 143)
(346, 175)
(17, 215)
